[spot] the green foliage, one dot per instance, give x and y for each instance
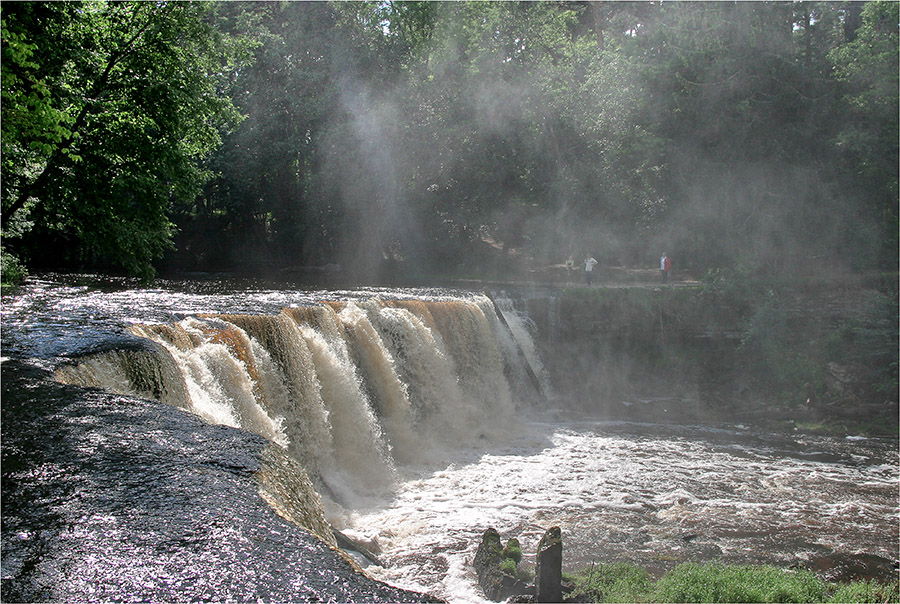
(109, 135)
(794, 369)
(783, 367)
(34, 122)
(513, 550)
(614, 582)
(12, 272)
(866, 592)
(766, 344)
(421, 133)
(511, 556)
(870, 340)
(508, 565)
(742, 286)
(713, 582)
(867, 70)
(718, 583)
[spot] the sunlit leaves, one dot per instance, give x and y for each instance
(33, 122)
(116, 127)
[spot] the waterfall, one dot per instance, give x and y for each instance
(216, 368)
(520, 328)
(348, 389)
(360, 451)
(146, 372)
(379, 372)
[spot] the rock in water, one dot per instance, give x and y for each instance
(496, 584)
(111, 498)
(548, 574)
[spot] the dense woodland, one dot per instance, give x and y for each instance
(401, 138)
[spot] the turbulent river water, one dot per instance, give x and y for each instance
(424, 417)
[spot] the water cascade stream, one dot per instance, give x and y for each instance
(409, 420)
(348, 388)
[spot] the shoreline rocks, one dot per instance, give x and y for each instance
(500, 578)
(494, 572)
(548, 575)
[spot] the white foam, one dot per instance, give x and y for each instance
(596, 486)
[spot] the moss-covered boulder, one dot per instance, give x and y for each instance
(497, 567)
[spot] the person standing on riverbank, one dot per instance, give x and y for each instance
(665, 265)
(570, 267)
(589, 264)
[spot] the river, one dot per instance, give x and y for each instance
(650, 494)
(424, 430)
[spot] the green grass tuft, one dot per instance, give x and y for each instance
(616, 582)
(866, 592)
(718, 583)
(712, 582)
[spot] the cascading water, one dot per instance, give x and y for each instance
(216, 365)
(422, 418)
(350, 389)
(376, 365)
(519, 342)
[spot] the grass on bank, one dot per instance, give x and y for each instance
(712, 582)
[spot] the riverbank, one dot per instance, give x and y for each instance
(649, 493)
(112, 498)
(861, 579)
(712, 582)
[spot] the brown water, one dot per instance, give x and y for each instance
(421, 430)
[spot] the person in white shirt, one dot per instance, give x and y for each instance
(665, 265)
(589, 264)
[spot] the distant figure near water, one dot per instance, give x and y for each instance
(665, 265)
(589, 264)
(570, 266)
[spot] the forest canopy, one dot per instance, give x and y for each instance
(404, 137)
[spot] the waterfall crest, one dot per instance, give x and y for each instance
(349, 389)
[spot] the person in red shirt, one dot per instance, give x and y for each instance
(665, 265)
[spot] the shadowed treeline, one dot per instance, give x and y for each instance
(419, 139)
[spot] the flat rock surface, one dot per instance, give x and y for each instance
(112, 498)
